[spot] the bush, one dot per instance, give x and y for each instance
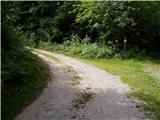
(74, 45)
(86, 49)
(23, 75)
(104, 52)
(81, 47)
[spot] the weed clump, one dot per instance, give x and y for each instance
(82, 99)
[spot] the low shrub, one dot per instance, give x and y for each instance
(81, 47)
(74, 45)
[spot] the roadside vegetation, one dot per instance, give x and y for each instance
(144, 86)
(121, 37)
(23, 74)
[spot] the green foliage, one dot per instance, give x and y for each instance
(23, 75)
(74, 45)
(106, 23)
(84, 11)
(112, 22)
(77, 46)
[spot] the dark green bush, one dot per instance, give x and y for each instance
(23, 74)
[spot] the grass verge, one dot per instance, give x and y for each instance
(50, 56)
(24, 76)
(144, 86)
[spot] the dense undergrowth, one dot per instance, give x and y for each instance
(23, 75)
(84, 48)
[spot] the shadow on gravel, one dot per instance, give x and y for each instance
(112, 105)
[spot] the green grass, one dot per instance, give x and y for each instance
(152, 66)
(144, 86)
(24, 76)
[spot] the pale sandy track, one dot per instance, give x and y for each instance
(109, 100)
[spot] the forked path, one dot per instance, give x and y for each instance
(97, 96)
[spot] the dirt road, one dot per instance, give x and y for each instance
(80, 91)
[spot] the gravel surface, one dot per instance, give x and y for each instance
(109, 99)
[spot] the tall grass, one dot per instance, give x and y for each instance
(84, 48)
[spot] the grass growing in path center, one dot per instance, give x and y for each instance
(50, 56)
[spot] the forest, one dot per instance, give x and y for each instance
(120, 37)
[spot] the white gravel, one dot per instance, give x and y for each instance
(109, 102)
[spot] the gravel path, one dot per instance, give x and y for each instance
(98, 95)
